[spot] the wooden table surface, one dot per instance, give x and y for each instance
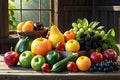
(19, 73)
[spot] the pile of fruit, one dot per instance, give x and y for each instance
(29, 26)
(47, 54)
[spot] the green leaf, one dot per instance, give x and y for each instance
(11, 6)
(85, 22)
(100, 27)
(25, 1)
(111, 32)
(116, 48)
(79, 21)
(93, 24)
(12, 0)
(111, 40)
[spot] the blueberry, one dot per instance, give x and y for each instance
(110, 68)
(105, 69)
(95, 68)
(97, 65)
(91, 70)
(116, 68)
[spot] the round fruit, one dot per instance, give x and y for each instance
(30, 22)
(83, 63)
(96, 57)
(37, 62)
(20, 25)
(52, 57)
(110, 54)
(27, 27)
(41, 46)
(69, 35)
(72, 46)
(25, 58)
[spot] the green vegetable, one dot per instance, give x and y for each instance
(61, 65)
(23, 44)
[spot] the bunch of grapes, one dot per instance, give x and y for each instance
(90, 41)
(105, 66)
(89, 36)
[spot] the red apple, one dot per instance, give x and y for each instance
(96, 57)
(11, 58)
(110, 54)
(69, 35)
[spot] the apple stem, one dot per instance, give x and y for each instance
(11, 48)
(97, 50)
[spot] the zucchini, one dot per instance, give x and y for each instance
(61, 65)
(22, 45)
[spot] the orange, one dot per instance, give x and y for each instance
(27, 27)
(20, 25)
(41, 46)
(30, 22)
(83, 63)
(69, 35)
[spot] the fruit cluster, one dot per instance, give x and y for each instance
(29, 26)
(104, 66)
(49, 53)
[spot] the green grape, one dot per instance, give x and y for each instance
(79, 25)
(90, 29)
(85, 27)
(78, 33)
(102, 33)
(81, 30)
(97, 33)
(75, 29)
(104, 37)
(74, 25)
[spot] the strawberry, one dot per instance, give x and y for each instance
(71, 66)
(60, 46)
(45, 67)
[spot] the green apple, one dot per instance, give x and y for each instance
(25, 58)
(72, 46)
(52, 57)
(37, 62)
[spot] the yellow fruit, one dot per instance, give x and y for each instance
(83, 63)
(55, 36)
(72, 45)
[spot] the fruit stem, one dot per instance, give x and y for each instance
(11, 48)
(97, 50)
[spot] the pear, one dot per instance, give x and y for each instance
(55, 36)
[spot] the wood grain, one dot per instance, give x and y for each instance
(20, 73)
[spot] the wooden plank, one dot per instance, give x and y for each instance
(20, 73)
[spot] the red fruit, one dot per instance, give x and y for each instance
(60, 46)
(96, 57)
(72, 66)
(11, 58)
(45, 67)
(110, 54)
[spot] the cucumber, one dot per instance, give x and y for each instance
(22, 45)
(61, 65)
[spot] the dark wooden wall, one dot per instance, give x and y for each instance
(105, 11)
